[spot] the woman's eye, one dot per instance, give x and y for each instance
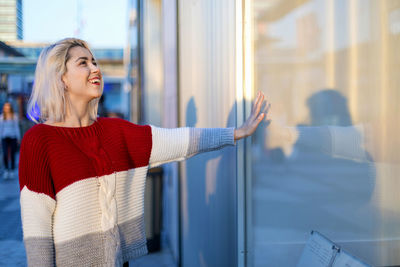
(95, 63)
(83, 63)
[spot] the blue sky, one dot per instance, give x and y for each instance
(104, 22)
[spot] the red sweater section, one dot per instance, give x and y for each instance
(52, 158)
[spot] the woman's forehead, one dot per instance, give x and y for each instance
(79, 51)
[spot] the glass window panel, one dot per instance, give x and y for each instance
(329, 160)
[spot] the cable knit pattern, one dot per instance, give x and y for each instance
(107, 201)
(82, 189)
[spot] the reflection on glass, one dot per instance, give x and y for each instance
(329, 160)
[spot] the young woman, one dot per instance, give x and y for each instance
(10, 136)
(81, 177)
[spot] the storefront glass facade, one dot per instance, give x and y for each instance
(329, 160)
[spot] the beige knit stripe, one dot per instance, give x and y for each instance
(36, 211)
(168, 145)
(130, 193)
(97, 204)
(78, 210)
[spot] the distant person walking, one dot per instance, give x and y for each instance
(82, 177)
(10, 136)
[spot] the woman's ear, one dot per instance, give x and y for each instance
(64, 81)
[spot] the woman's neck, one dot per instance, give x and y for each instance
(76, 122)
(74, 119)
(77, 114)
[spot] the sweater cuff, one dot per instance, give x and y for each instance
(208, 139)
(228, 136)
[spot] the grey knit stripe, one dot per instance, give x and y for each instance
(208, 139)
(83, 251)
(132, 234)
(110, 248)
(40, 251)
(133, 239)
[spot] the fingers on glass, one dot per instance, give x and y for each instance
(258, 103)
(261, 116)
(267, 107)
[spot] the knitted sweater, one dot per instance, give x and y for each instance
(82, 189)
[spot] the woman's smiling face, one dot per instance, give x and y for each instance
(83, 79)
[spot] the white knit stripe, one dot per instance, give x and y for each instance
(78, 210)
(96, 205)
(36, 213)
(168, 145)
(130, 193)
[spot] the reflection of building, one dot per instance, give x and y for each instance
(11, 20)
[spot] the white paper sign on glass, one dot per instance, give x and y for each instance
(319, 251)
(344, 259)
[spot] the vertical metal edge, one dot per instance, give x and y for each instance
(179, 118)
(140, 87)
(240, 148)
(248, 96)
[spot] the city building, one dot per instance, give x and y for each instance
(11, 20)
(14, 67)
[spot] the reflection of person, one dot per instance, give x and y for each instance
(326, 181)
(81, 177)
(10, 135)
(331, 131)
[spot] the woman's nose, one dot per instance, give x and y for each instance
(95, 68)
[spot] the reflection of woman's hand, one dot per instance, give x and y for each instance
(250, 125)
(279, 135)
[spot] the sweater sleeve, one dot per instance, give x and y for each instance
(37, 201)
(181, 143)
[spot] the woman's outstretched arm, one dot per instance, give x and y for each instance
(181, 143)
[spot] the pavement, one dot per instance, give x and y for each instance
(12, 252)
(162, 258)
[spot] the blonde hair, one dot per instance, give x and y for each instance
(48, 100)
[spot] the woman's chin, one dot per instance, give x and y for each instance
(96, 94)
